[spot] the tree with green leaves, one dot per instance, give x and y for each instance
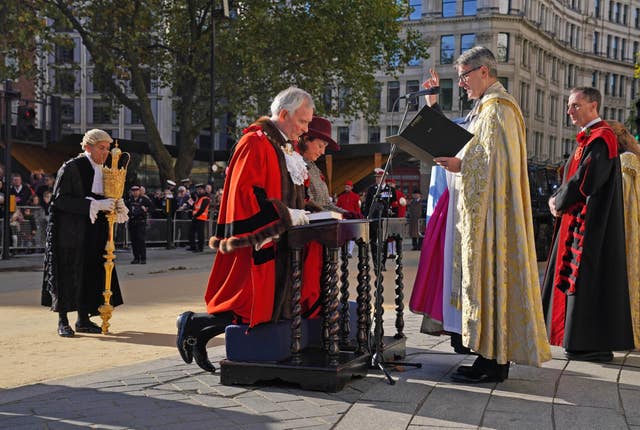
(331, 48)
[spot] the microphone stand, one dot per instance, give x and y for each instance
(377, 207)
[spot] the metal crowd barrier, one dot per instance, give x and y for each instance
(27, 240)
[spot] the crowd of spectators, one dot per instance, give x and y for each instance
(31, 199)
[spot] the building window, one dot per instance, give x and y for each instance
(594, 79)
(636, 18)
(467, 41)
(392, 130)
(553, 109)
(613, 82)
(540, 63)
(135, 118)
(525, 53)
(606, 83)
(65, 81)
(524, 97)
(447, 49)
(469, 7)
(610, 11)
(503, 47)
(412, 87)
(373, 135)
(617, 13)
(621, 86)
(416, 12)
(625, 14)
(504, 7)
(377, 96)
(616, 41)
(343, 98)
(101, 112)
(446, 94)
(326, 100)
(393, 92)
(570, 71)
(605, 113)
(539, 104)
(448, 8)
(67, 111)
(597, 8)
(554, 69)
(64, 54)
(596, 43)
(343, 135)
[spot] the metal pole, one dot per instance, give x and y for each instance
(6, 235)
(212, 157)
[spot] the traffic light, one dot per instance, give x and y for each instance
(26, 121)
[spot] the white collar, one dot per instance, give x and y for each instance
(590, 123)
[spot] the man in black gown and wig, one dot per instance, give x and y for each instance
(77, 232)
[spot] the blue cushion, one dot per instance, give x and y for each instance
(272, 341)
(265, 342)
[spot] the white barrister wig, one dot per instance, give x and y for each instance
(402, 201)
(94, 136)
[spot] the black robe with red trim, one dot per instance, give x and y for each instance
(585, 292)
(251, 280)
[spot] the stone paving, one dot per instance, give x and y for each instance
(168, 394)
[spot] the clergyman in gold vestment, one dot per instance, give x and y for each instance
(500, 300)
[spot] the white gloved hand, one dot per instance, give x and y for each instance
(298, 216)
(122, 212)
(100, 205)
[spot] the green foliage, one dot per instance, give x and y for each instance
(324, 46)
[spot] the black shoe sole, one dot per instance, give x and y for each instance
(596, 356)
(181, 340)
(476, 379)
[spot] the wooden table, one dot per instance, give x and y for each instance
(331, 366)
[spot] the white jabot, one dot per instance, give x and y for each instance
(98, 186)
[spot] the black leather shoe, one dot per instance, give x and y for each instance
(143, 261)
(88, 327)
(184, 342)
(65, 331)
(201, 356)
(135, 261)
(597, 356)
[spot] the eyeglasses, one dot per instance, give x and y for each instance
(464, 77)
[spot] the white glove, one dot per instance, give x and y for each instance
(122, 212)
(106, 205)
(298, 216)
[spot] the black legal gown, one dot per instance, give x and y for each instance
(74, 273)
(598, 315)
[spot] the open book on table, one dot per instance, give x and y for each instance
(323, 216)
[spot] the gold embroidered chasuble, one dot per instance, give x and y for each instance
(501, 304)
(630, 165)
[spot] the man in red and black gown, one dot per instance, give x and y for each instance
(585, 291)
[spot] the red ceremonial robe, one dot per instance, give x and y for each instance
(585, 295)
(251, 282)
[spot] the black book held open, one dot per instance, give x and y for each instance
(430, 134)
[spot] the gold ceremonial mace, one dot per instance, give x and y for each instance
(114, 179)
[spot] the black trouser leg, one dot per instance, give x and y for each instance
(204, 326)
(200, 235)
(63, 319)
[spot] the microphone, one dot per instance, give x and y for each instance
(426, 92)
